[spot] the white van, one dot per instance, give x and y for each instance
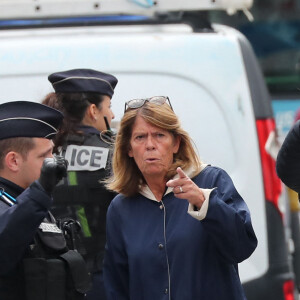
(215, 86)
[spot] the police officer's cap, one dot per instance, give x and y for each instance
(28, 119)
(83, 81)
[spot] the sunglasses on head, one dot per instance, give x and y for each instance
(137, 103)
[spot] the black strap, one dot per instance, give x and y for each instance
(78, 270)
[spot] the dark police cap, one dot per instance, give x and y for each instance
(83, 81)
(28, 119)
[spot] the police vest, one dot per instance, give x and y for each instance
(83, 197)
(52, 272)
(86, 153)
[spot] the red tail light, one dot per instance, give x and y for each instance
(272, 184)
(288, 290)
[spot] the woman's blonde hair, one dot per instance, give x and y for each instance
(127, 177)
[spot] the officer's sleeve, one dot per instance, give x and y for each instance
(115, 266)
(228, 221)
(288, 159)
(18, 225)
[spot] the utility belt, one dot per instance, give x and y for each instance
(61, 278)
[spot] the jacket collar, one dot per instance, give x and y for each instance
(10, 187)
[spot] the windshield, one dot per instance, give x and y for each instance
(275, 37)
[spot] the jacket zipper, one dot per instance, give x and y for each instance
(165, 239)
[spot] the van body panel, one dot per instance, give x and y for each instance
(210, 78)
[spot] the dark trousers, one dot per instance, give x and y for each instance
(97, 291)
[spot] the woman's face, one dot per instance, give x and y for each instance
(152, 148)
(104, 111)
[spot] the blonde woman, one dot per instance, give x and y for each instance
(178, 228)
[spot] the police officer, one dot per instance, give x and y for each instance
(84, 96)
(34, 259)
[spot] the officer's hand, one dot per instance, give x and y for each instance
(53, 170)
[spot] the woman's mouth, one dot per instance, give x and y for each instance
(151, 159)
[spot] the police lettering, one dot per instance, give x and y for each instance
(83, 156)
(88, 158)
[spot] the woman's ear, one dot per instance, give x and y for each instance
(130, 154)
(177, 141)
(13, 161)
(91, 112)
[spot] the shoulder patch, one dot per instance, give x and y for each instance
(49, 227)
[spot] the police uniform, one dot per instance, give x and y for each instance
(82, 195)
(35, 262)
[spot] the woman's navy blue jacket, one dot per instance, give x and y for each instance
(156, 250)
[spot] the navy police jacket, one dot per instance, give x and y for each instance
(18, 226)
(156, 250)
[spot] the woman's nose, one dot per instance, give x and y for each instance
(150, 143)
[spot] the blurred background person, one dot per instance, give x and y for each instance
(288, 159)
(178, 228)
(288, 170)
(85, 140)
